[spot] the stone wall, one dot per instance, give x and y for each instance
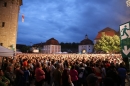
(9, 10)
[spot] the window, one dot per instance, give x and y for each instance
(5, 4)
(1, 44)
(3, 24)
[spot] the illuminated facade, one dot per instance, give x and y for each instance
(9, 11)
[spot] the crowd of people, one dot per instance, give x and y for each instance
(63, 70)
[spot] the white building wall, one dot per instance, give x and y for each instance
(95, 41)
(59, 48)
(88, 48)
(55, 48)
(81, 47)
(51, 48)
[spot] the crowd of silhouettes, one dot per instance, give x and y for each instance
(63, 70)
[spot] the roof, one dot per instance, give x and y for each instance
(52, 41)
(107, 31)
(86, 42)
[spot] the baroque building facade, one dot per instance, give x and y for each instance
(86, 46)
(52, 46)
(9, 11)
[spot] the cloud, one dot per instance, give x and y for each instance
(69, 20)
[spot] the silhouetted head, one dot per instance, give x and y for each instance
(92, 80)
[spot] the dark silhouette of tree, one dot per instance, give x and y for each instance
(69, 47)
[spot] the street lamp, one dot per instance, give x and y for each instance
(128, 3)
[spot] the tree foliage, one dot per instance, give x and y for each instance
(108, 44)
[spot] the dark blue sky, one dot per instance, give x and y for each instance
(69, 20)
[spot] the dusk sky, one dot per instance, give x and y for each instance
(68, 20)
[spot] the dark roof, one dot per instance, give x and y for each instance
(52, 41)
(86, 42)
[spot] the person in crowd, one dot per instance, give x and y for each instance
(12, 64)
(19, 80)
(57, 76)
(88, 69)
(103, 71)
(26, 76)
(122, 73)
(82, 75)
(65, 61)
(46, 69)
(92, 80)
(40, 74)
(66, 78)
(10, 75)
(76, 65)
(25, 63)
(52, 69)
(31, 71)
(74, 75)
(5, 63)
(107, 81)
(3, 80)
(113, 74)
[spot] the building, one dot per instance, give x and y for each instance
(52, 46)
(106, 31)
(9, 11)
(86, 46)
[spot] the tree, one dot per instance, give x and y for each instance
(128, 3)
(108, 44)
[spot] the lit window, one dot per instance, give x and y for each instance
(3, 24)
